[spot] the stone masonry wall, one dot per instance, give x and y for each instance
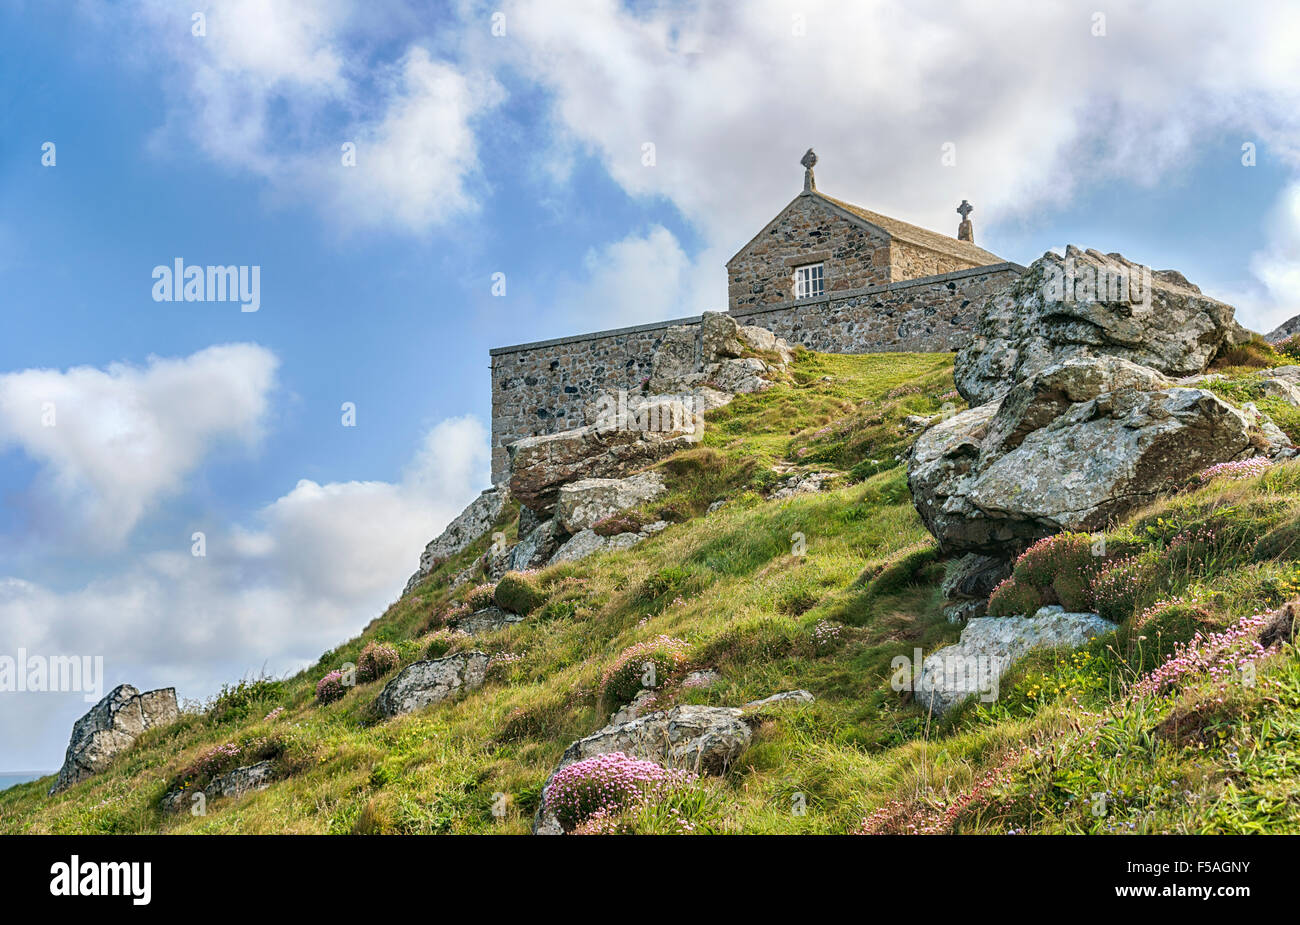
(763, 272)
(543, 387)
(927, 315)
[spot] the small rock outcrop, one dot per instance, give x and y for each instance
(641, 704)
(473, 522)
(582, 503)
(801, 484)
(990, 645)
(536, 548)
(1288, 328)
(423, 683)
(613, 448)
(110, 727)
(487, 620)
(1095, 304)
(795, 696)
(586, 543)
(1281, 626)
(972, 577)
(711, 357)
(231, 784)
(705, 740)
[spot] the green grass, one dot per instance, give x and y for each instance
(748, 587)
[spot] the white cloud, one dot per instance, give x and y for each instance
(111, 442)
(316, 565)
(1278, 266)
(1271, 293)
(641, 278)
(275, 88)
(414, 163)
(1035, 104)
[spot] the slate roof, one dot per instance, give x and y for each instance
(914, 234)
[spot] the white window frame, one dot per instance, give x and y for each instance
(809, 284)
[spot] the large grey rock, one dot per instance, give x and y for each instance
(582, 503)
(487, 620)
(1290, 373)
(1001, 475)
(1049, 393)
(611, 448)
(738, 376)
(990, 645)
(711, 364)
(719, 337)
(110, 727)
(423, 683)
(1284, 389)
(676, 361)
(472, 523)
(764, 341)
(231, 784)
(1041, 320)
(535, 549)
(586, 543)
(705, 740)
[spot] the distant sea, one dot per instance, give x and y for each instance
(10, 778)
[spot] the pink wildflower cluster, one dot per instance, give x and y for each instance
(1237, 469)
(899, 818)
(1123, 586)
(209, 761)
(446, 613)
(1011, 597)
(607, 785)
(376, 660)
(826, 633)
(1217, 655)
(1148, 612)
(274, 714)
(603, 822)
(615, 524)
(480, 596)
(330, 687)
(1195, 536)
(646, 664)
(1040, 564)
(219, 758)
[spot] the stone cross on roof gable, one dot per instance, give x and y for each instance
(965, 231)
(809, 160)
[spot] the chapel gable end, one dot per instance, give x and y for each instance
(818, 246)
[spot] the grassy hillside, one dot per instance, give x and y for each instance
(820, 592)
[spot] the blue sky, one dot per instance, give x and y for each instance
(477, 153)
